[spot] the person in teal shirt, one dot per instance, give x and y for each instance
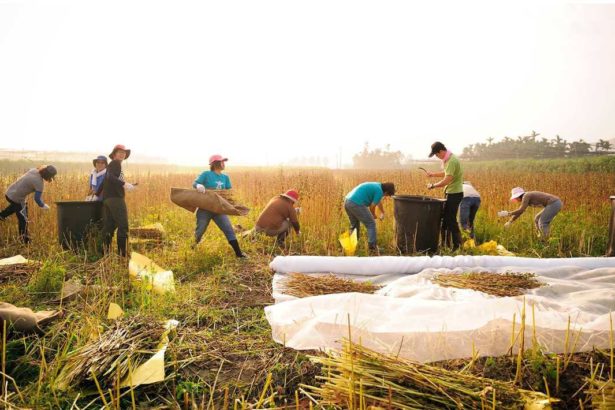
(214, 179)
(360, 206)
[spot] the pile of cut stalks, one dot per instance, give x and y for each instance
(496, 284)
(302, 285)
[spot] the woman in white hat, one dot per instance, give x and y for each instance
(552, 205)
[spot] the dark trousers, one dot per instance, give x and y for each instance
(21, 211)
(115, 216)
(450, 227)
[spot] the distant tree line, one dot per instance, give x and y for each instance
(531, 146)
(379, 158)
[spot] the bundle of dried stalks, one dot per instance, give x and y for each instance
(17, 272)
(359, 378)
(125, 345)
(497, 284)
(302, 285)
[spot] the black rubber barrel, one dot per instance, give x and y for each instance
(77, 220)
(417, 223)
(611, 248)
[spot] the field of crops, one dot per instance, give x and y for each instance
(221, 355)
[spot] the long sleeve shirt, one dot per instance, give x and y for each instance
(113, 185)
(276, 212)
(533, 198)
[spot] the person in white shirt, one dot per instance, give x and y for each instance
(469, 207)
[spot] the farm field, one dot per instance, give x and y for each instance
(221, 355)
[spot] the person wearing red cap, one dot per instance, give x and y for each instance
(214, 179)
(279, 216)
(115, 212)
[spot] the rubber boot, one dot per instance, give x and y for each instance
(235, 245)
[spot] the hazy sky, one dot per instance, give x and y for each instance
(265, 81)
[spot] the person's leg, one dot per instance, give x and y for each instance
(450, 225)
(547, 216)
(108, 226)
(350, 206)
(363, 214)
(121, 219)
(203, 218)
(224, 223)
(464, 213)
(10, 210)
(473, 210)
(22, 222)
(282, 232)
(537, 221)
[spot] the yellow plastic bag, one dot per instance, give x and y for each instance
(488, 248)
(349, 242)
(143, 269)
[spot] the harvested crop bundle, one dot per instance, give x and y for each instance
(359, 378)
(17, 272)
(127, 343)
(497, 284)
(302, 285)
(153, 231)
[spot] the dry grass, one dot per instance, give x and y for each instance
(17, 273)
(359, 377)
(302, 285)
(496, 284)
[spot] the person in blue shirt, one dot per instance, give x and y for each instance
(360, 206)
(215, 179)
(97, 176)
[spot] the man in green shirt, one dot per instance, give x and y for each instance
(453, 188)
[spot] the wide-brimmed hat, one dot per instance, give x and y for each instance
(291, 194)
(436, 147)
(217, 158)
(516, 193)
(100, 158)
(117, 147)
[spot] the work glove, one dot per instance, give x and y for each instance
(297, 210)
(381, 217)
(200, 188)
(45, 207)
(507, 225)
(430, 186)
(503, 214)
(129, 187)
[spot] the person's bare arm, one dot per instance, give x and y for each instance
(381, 209)
(435, 174)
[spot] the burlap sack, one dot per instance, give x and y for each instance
(209, 200)
(24, 319)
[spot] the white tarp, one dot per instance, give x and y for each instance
(420, 320)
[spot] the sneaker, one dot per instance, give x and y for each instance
(373, 251)
(243, 256)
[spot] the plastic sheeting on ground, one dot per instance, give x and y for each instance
(422, 321)
(143, 269)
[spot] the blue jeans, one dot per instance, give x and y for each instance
(543, 218)
(361, 214)
(467, 212)
(203, 218)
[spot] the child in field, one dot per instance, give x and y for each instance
(279, 216)
(32, 181)
(552, 205)
(97, 176)
(215, 179)
(360, 207)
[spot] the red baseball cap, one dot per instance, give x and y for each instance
(292, 195)
(119, 146)
(217, 158)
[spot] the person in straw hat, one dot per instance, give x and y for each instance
(215, 179)
(279, 217)
(552, 205)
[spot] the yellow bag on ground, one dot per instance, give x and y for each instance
(144, 270)
(209, 200)
(488, 248)
(349, 242)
